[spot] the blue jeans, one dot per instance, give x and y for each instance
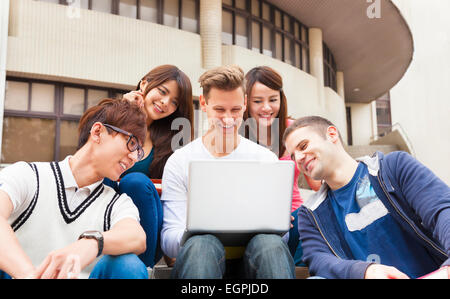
(294, 243)
(126, 266)
(203, 256)
(144, 195)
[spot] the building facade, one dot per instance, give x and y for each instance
(59, 57)
(420, 102)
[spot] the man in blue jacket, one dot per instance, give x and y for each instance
(379, 217)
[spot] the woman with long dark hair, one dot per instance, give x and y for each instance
(164, 94)
(266, 119)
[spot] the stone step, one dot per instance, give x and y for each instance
(163, 272)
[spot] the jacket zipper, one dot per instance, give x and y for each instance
(320, 231)
(407, 220)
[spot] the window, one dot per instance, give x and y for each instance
(329, 68)
(384, 119)
(267, 41)
(181, 14)
(44, 97)
(348, 113)
(171, 15)
(73, 100)
(262, 27)
(16, 95)
(227, 28)
(256, 34)
(128, 8)
(51, 1)
(189, 16)
(197, 118)
(82, 3)
(44, 116)
(101, 5)
(278, 46)
(22, 134)
(149, 10)
(241, 32)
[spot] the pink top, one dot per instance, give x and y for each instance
(297, 200)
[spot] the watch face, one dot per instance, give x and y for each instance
(96, 234)
(92, 234)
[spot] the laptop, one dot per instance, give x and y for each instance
(235, 200)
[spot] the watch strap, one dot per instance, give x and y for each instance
(96, 235)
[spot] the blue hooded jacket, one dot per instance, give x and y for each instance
(416, 198)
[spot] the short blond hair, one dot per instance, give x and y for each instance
(223, 77)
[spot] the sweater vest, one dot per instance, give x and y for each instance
(47, 223)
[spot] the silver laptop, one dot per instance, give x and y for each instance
(235, 200)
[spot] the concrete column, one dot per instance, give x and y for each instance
(374, 121)
(211, 32)
(340, 85)
(341, 92)
(4, 19)
(316, 61)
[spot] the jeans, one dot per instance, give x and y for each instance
(294, 243)
(203, 256)
(144, 195)
(126, 266)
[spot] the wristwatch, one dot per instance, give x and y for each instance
(94, 234)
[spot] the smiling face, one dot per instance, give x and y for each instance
(111, 154)
(312, 152)
(161, 101)
(264, 104)
(225, 110)
(121, 159)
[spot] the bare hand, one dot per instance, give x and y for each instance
(68, 261)
(292, 219)
(170, 262)
(135, 97)
(377, 271)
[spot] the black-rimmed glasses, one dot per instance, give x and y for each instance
(132, 143)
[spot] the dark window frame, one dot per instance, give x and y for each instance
(329, 68)
(348, 115)
(58, 114)
(383, 107)
(286, 33)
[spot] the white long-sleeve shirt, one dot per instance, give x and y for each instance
(175, 185)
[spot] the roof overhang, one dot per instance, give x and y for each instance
(374, 53)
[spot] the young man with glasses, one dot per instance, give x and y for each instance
(58, 220)
(132, 142)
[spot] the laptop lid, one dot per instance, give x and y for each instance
(234, 200)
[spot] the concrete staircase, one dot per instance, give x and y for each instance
(161, 271)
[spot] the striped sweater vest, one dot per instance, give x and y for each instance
(48, 224)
